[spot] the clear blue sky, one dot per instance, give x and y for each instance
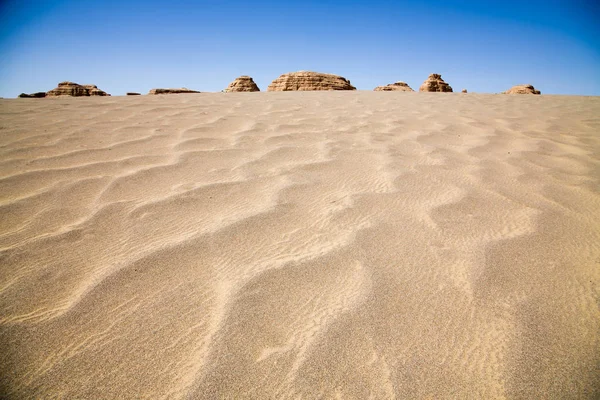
(484, 46)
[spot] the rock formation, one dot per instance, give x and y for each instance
(435, 83)
(94, 91)
(398, 86)
(75, 89)
(242, 84)
(37, 95)
(133, 94)
(464, 91)
(522, 89)
(172, 91)
(306, 80)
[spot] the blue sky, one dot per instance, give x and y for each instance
(483, 46)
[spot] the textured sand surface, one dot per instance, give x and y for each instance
(300, 245)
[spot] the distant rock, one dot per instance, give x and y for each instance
(464, 91)
(435, 83)
(522, 89)
(68, 89)
(172, 91)
(74, 89)
(242, 84)
(398, 87)
(133, 94)
(37, 95)
(306, 80)
(94, 91)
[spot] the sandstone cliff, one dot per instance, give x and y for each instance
(242, 84)
(307, 80)
(435, 83)
(74, 89)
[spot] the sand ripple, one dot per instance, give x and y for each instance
(300, 245)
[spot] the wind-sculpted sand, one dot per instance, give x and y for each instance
(300, 245)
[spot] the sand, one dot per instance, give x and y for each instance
(300, 245)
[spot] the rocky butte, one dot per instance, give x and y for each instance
(242, 84)
(307, 80)
(435, 83)
(397, 87)
(68, 89)
(522, 89)
(74, 89)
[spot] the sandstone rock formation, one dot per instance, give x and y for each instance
(75, 89)
(522, 89)
(94, 91)
(68, 89)
(435, 83)
(37, 95)
(242, 84)
(307, 80)
(172, 91)
(464, 91)
(133, 94)
(398, 86)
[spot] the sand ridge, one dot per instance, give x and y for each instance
(300, 245)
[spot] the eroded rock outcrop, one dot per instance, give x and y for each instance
(307, 80)
(398, 86)
(172, 91)
(464, 91)
(522, 89)
(435, 83)
(94, 91)
(133, 94)
(74, 89)
(242, 84)
(37, 95)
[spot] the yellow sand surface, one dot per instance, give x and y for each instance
(300, 245)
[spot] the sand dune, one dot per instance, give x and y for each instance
(300, 245)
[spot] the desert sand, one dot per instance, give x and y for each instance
(300, 245)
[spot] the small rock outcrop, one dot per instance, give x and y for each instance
(307, 80)
(522, 89)
(397, 87)
(74, 89)
(242, 84)
(172, 91)
(37, 95)
(94, 91)
(133, 94)
(464, 91)
(435, 83)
